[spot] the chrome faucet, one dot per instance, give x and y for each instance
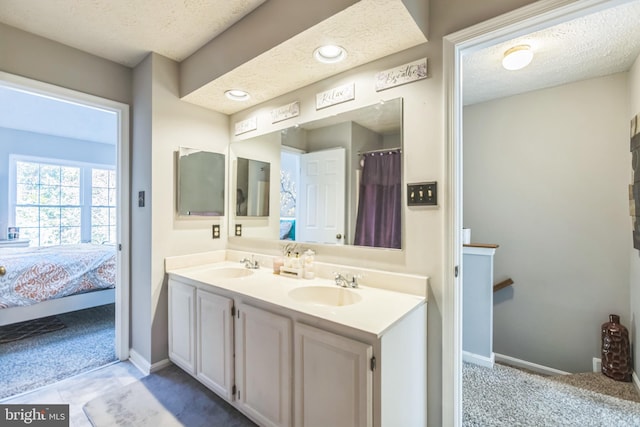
(250, 263)
(346, 281)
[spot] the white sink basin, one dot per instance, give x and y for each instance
(324, 295)
(230, 272)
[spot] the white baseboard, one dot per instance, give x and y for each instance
(519, 363)
(143, 364)
(159, 365)
(139, 362)
(476, 359)
(636, 381)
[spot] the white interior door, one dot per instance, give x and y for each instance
(321, 210)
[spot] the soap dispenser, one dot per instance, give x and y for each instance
(295, 262)
(308, 264)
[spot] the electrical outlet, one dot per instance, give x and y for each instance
(238, 230)
(422, 194)
(215, 231)
(597, 365)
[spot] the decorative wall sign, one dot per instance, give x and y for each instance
(335, 96)
(406, 73)
(285, 112)
(246, 125)
(634, 189)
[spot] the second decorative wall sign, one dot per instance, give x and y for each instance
(407, 73)
(285, 112)
(335, 96)
(246, 125)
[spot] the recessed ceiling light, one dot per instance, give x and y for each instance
(330, 54)
(237, 95)
(517, 57)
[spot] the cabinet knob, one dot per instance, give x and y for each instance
(3, 270)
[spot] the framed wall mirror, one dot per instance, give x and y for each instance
(201, 183)
(336, 181)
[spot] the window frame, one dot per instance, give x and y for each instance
(86, 186)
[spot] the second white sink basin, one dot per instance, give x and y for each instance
(324, 295)
(230, 272)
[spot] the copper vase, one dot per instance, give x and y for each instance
(616, 350)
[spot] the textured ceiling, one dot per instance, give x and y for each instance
(368, 30)
(595, 45)
(125, 31)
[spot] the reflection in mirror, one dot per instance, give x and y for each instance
(340, 178)
(201, 183)
(252, 187)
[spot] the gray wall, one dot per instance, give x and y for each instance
(41, 59)
(546, 177)
(141, 237)
(634, 278)
(163, 123)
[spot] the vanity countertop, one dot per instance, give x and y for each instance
(378, 309)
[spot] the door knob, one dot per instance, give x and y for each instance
(3, 270)
(338, 236)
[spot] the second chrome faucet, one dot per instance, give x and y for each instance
(346, 281)
(250, 263)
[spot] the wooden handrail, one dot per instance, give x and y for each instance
(481, 245)
(502, 285)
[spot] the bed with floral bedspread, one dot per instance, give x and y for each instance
(38, 274)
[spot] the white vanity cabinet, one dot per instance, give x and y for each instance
(263, 366)
(333, 379)
(201, 335)
(283, 367)
(182, 325)
(214, 342)
(207, 332)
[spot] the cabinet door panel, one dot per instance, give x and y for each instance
(215, 342)
(263, 366)
(333, 380)
(182, 325)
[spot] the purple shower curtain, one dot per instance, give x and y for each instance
(380, 205)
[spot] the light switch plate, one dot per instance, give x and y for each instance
(422, 194)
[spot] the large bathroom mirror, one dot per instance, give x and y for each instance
(201, 183)
(253, 180)
(336, 181)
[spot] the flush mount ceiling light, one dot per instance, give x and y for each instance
(330, 54)
(517, 57)
(237, 95)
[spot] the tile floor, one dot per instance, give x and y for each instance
(78, 390)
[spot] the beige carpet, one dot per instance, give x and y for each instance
(593, 381)
(507, 397)
(596, 381)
